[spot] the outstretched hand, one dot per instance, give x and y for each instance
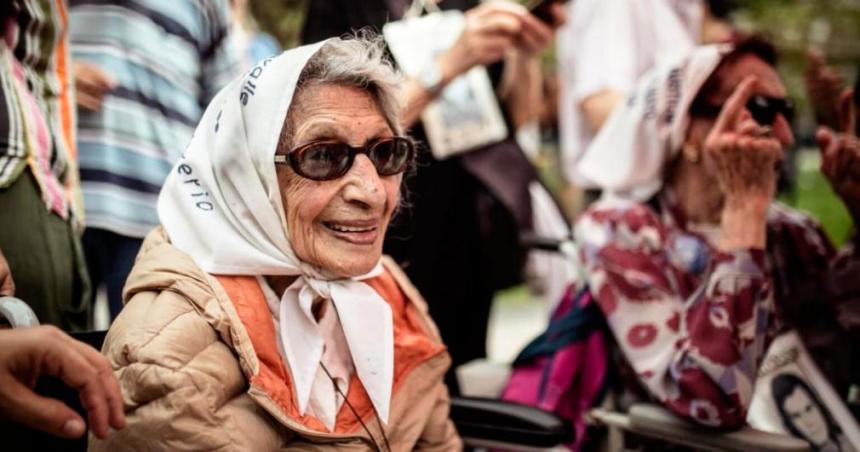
(28, 353)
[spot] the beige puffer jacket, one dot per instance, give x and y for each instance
(184, 353)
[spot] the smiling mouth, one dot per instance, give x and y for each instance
(357, 233)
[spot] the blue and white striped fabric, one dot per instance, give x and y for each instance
(169, 58)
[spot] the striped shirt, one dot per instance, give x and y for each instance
(169, 58)
(37, 118)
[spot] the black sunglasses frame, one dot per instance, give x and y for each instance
(294, 157)
(763, 109)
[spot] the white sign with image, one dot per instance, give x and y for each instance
(466, 114)
(793, 397)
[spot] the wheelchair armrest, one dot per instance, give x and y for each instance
(17, 313)
(507, 422)
(658, 422)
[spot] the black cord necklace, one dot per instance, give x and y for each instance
(355, 413)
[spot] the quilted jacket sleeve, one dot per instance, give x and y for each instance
(440, 434)
(182, 387)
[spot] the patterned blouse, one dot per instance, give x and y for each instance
(694, 322)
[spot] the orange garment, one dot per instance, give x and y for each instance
(412, 346)
(199, 368)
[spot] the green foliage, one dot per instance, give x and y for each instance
(812, 193)
(282, 19)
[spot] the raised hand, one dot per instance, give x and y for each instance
(745, 154)
(824, 87)
(840, 163)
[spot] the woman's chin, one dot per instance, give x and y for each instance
(353, 263)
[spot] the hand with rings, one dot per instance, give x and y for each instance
(745, 155)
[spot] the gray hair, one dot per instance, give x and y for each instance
(360, 61)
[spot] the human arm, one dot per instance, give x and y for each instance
(600, 53)
(7, 284)
(824, 87)
(840, 152)
(521, 87)
(490, 30)
(29, 353)
(745, 161)
(597, 107)
(439, 433)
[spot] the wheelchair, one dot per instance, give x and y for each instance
(482, 378)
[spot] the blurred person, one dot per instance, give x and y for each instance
(39, 190)
(144, 72)
(608, 45)
(252, 44)
(262, 314)
(459, 238)
(27, 354)
(694, 264)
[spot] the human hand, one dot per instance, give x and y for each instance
(537, 35)
(491, 29)
(7, 285)
(744, 154)
(840, 163)
(28, 353)
(824, 86)
(91, 84)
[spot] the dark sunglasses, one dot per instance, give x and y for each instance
(330, 159)
(763, 109)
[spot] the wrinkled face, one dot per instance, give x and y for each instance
(338, 225)
(730, 76)
(806, 416)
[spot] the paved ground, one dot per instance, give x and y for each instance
(515, 320)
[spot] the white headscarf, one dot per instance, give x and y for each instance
(627, 157)
(221, 204)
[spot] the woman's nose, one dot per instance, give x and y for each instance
(364, 183)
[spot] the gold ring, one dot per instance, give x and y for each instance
(763, 132)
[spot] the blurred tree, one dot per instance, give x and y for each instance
(281, 18)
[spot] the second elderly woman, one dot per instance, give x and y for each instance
(261, 315)
(694, 264)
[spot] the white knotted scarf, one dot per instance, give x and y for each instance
(221, 204)
(627, 157)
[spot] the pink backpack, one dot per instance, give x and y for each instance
(564, 370)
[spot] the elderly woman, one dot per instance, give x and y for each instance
(261, 315)
(694, 264)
